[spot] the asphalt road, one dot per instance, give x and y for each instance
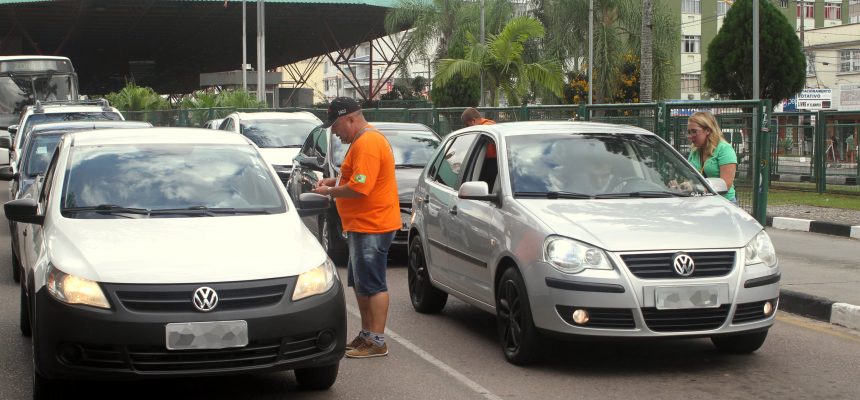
(455, 355)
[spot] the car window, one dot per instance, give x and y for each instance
(227, 125)
(321, 142)
(69, 116)
(484, 165)
(308, 147)
(48, 184)
(410, 147)
(277, 132)
(595, 164)
(169, 176)
(39, 151)
(448, 172)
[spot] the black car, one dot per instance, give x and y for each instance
(321, 157)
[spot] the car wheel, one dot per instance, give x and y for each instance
(317, 378)
(16, 266)
(328, 236)
(740, 344)
(24, 314)
(514, 319)
(425, 297)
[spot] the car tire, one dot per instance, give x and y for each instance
(740, 344)
(317, 378)
(517, 333)
(24, 314)
(425, 297)
(329, 240)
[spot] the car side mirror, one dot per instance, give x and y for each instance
(476, 190)
(5, 142)
(6, 174)
(719, 185)
(13, 129)
(312, 163)
(23, 210)
(312, 204)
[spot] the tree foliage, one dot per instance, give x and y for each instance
(137, 98)
(782, 65)
(500, 58)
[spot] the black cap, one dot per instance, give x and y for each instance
(340, 107)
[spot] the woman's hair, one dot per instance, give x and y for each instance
(707, 121)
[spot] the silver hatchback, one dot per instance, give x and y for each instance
(587, 229)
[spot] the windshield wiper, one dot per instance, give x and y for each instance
(642, 194)
(409, 166)
(207, 211)
(290, 146)
(554, 195)
(108, 208)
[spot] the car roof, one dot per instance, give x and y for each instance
(302, 115)
(68, 108)
(544, 127)
(402, 126)
(54, 127)
(165, 135)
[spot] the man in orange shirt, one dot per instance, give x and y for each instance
(369, 208)
(471, 116)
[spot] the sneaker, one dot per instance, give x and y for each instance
(368, 349)
(355, 342)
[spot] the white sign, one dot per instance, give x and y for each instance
(849, 96)
(815, 94)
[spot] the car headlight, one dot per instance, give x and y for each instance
(571, 256)
(760, 250)
(72, 289)
(316, 281)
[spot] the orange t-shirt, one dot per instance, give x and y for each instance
(368, 168)
(484, 121)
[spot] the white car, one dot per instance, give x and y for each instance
(279, 135)
(169, 252)
(587, 230)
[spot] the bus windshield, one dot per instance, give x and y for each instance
(22, 82)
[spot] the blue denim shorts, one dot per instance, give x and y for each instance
(368, 262)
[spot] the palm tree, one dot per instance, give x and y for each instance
(501, 59)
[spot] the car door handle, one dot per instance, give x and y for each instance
(25, 233)
(453, 210)
(426, 198)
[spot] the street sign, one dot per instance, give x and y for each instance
(814, 99)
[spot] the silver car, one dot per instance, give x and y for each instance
(587, 229)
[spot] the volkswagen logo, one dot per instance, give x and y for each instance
(684, 264)
(205, 299)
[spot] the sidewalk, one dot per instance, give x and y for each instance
(820, 276)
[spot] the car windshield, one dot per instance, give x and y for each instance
(598, 166)
(168, 179)
(39, 152)
(69, 116)
(411, 148)
(278, 132)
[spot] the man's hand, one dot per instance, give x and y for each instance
(326, 182)
(323, 190)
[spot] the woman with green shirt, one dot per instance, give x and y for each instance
(711, 155)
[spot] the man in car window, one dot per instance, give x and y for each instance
(471, 117)
(369, 208)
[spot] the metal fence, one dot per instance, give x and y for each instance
(744, 123)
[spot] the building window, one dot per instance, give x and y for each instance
(783, 3)
(809, 10)
(690, 83)
(810, 64)
(325, 83)
(849, 60)
(723, 7)
(833, 11)
(855, 19)
(690, 44)
(691, 7)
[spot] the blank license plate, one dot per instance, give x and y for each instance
(405, 220)
(681, 297)
(206, 335)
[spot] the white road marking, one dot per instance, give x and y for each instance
(433, 360)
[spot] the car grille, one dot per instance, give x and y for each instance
(158, 359)
(695, 319)
(177, 298)
(609, 318)
(659, 265)
(748, 312)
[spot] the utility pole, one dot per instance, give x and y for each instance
(646, 61)
(590, 48)
(244, 48)
(756, 50)
(481, 101)
(261, 50)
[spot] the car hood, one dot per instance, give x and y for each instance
(279, 156)
(183, 250)
(407, 179)
(648, 224)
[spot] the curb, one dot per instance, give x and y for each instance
(808, 225)
(819, 308)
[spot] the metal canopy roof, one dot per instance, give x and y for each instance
(166, 44)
